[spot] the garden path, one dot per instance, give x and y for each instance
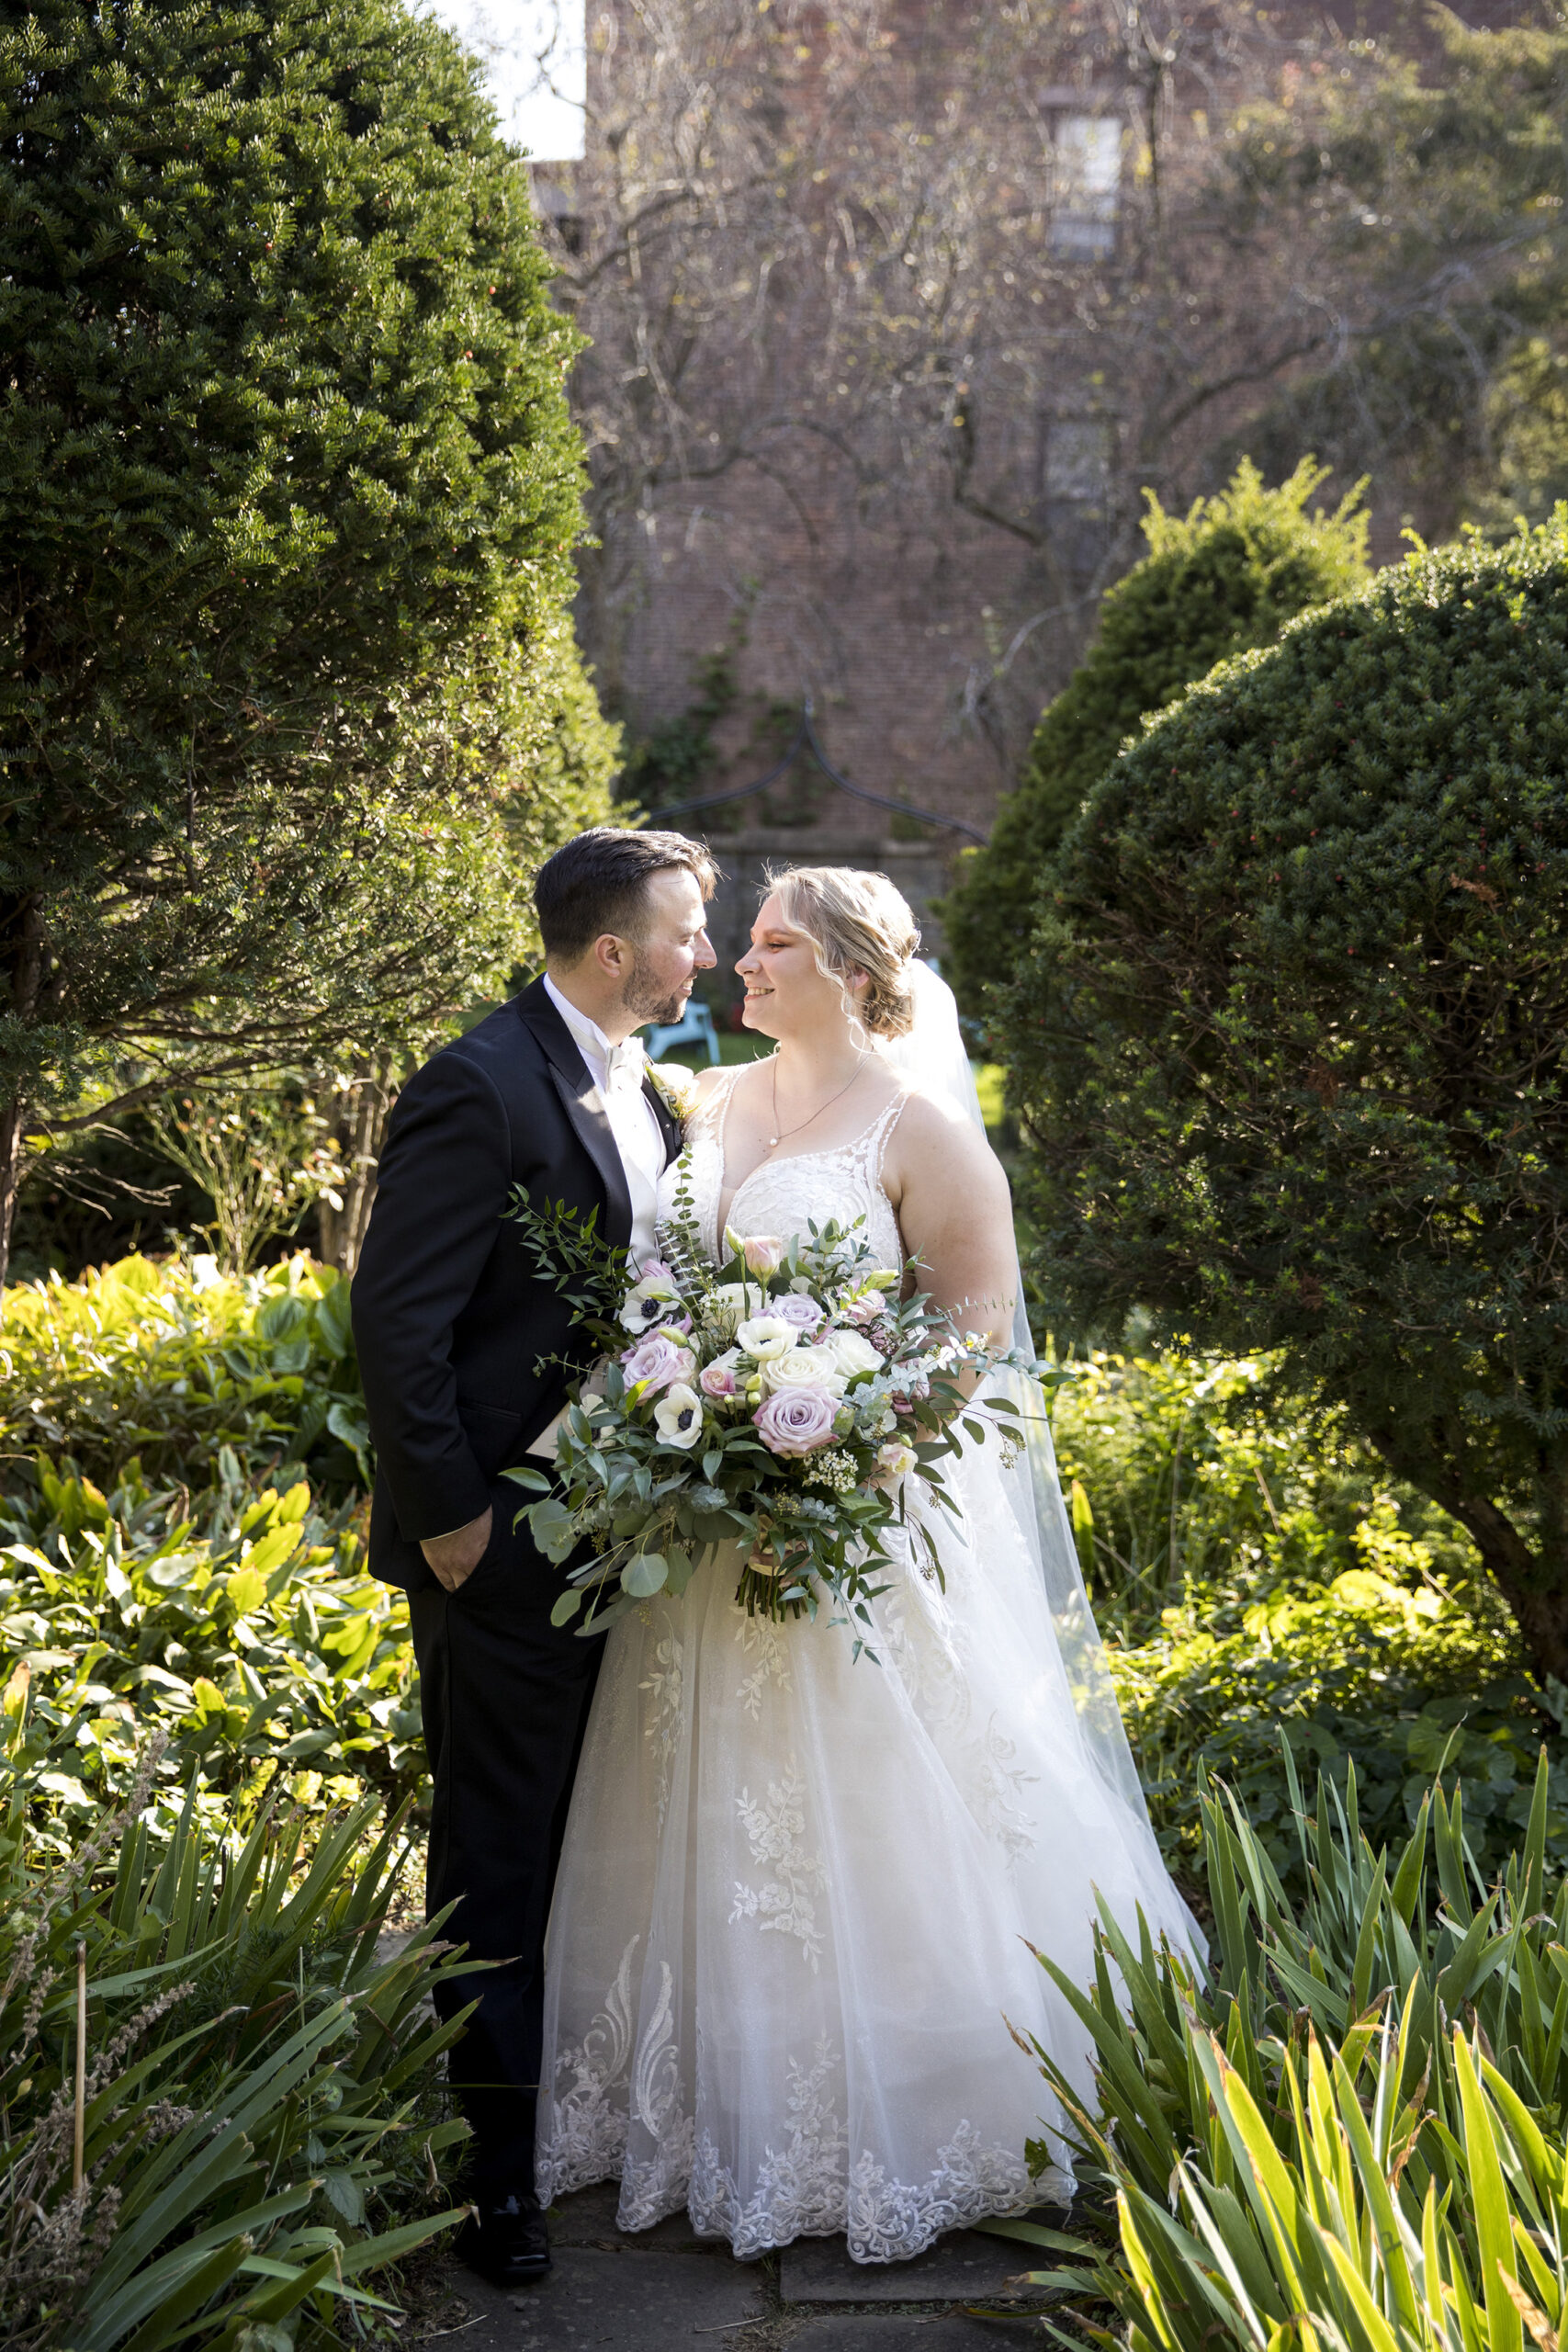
(666, 2287)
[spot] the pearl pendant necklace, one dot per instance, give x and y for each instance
(773, 1141)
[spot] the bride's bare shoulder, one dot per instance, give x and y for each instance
(936, 1139)
(930, 1116)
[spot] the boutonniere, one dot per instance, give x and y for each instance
(677, 1085)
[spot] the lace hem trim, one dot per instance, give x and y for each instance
(807, 2189)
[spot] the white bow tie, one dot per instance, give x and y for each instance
(624, 1064)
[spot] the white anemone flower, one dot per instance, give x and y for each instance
(647, 1302)
(677, 1414)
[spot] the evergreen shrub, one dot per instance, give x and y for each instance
(1227, 574)
(288, 490)
(1288, 1043)
(1253, 1565)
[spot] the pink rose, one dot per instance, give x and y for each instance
(656, 1362)
(655, 1271)
(717, 1379)
(796, 1420)
(804, 1313)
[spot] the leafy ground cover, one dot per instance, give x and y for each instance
(1254, 1566)
(173, 1364)
(195, 1563)
(243, 1629)
(253, 2098)
(181, 1560)
(1349, 2132)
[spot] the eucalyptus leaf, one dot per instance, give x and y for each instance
(645, 1575)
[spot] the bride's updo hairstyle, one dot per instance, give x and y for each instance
(856, 923)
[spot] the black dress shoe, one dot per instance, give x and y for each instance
(506, 2241)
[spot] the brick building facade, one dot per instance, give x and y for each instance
(828, 564)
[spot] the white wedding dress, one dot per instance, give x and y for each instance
(788, 1933)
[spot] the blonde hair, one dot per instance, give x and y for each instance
(856, 923)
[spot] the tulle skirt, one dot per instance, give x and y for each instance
(792, 1924)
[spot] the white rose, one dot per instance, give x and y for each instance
(764, 1338)
(804, 1368)
(851, 1352)
(678, 1416)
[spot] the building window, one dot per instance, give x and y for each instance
(1086, 185)
(1077, 459)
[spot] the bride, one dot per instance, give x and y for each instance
(788, 1933)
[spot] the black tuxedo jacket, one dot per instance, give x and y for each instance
(449, 1317)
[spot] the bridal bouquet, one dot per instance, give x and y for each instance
(781, 1403)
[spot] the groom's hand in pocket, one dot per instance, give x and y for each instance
(454, 1557)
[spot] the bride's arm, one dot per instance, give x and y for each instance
(956, 1213)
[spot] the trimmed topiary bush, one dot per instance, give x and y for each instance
(1226, 575)
(1288, 1045)
(288, 490)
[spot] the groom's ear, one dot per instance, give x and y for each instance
(612, 954)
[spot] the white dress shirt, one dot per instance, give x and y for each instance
(618, 1072)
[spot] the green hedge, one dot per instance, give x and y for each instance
(1228, 574)
(1253, 1565)
(1286, 1046)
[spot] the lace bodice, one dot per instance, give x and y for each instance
(786, 1195)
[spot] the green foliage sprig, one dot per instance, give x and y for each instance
(570, 1252)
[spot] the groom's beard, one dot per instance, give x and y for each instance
(647, 998)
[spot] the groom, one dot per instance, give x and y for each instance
(457, 1338)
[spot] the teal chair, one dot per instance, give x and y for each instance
(695, 1028)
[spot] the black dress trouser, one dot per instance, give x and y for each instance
(505, 1697)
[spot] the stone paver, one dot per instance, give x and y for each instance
(611, 2302)
(665, 2287)
(967, 2267)
(911, 2332)
(588, 2219)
